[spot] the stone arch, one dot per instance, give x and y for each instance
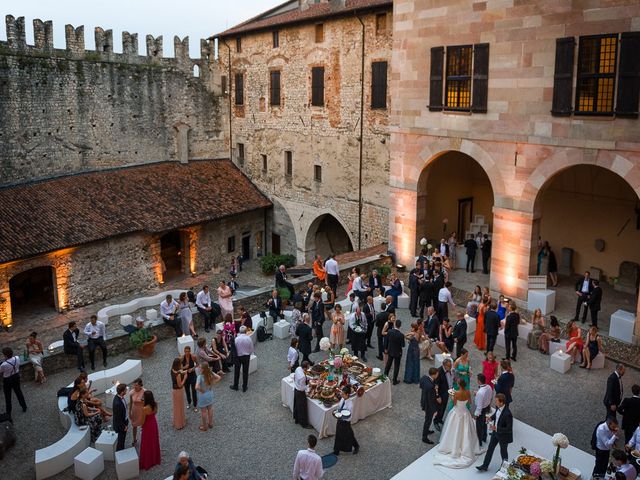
(282, 229)
(311, 237)
(33, 288)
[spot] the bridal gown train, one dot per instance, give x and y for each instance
(458, 447)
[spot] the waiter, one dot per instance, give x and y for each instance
(300, 413)
(345, 439)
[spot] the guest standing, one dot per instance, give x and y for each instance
(186, 318)
(460, 334)
(394, 351)
(336, 336)
(606, 436)
(595, 299)
(35, 351)
(178, 379)
(225, 299)
(305, 337)
(471, 248)
(308, 464)
(136, 405)
(333, 273)
(584, 288)
(369, 311)
(429, 402)
(345, 440)
(150, 438)
(490, 368)
(358, 328)
(614, 391)
(204, 385)
(511, 332)
(10, 369)
(482, 402)
(621, 462)
(71, 346)
(630, 411)
(444, 300)
(292, 356)
(318, 269)
(381, 320)
(244, 349)
(501, 427)
(317, 311)
(444, 384)
(486, 254)
(300, 413)
(120, 417)
(506, 381)
(188, 366)
(480, 337)
(96, 333)
(412, 365)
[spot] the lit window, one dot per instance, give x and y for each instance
(595, 87)
(458, 82)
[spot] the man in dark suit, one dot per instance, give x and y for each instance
(630, 411)
(381, 319)
(471, 247)
(511, 332)
(370, 313)
(501, 428)
(317, 317)
(425, 294)
(595, 298)
(460, 333)
(120, 417)
(613, 394)
(584, 288)
(416, 277)
(506, 381)
(275, 309)
(444, 382)
(429, 402)
(486, 254)
(491, 325)
(433, 324)
(72, 346)
(375, 282)
(394, 350)
(281, 280)
(305, 337)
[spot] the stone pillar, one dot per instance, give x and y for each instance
(636, 328)
(510, 253)
(5, 306)
(402, 224)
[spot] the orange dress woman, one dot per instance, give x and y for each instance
(318, 269)
(480, 338)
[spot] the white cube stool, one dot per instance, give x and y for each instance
(403, 301)
(555, 346)
(88, 464)
(440, 357)
(597, 363)
(253, 363)
(545, 300)
(106, 443)
(127, 464)
(560, 362)
(185, 341)
(471, 324)
(524, 329)
(151, 314)
(377, 303)
(500, 340)
(281, 329)
(126, 320)
(621, 327)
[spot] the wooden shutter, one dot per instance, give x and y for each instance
(563, 77)
(435, 82)
(317, 86)
(480, 77)
(629, 75)
(379, 85)
(239, 89)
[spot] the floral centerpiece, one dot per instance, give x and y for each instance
(559, 441)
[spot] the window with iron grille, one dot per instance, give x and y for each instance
(379, 85)
(595, 86)
(276, 38)
(458, 79)
(317, 86)
(274, 87)
(239, 81)
(288, 163)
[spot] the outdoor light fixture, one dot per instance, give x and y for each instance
(400, 267)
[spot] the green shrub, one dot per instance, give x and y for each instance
(270, 263)
(140, 337)
(384, 269)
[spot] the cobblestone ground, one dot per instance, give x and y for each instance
(255, 437)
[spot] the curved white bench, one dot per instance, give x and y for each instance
(136, 304)
(59, 456)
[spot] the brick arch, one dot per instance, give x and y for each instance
(312, 228)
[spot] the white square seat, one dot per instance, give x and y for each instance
(185, 341)
(127, 464)
(555, 346)
(151, 314)
(253, 363)
(88, 464)
(621, 326)
(440, 357)
(377, 303)
(560, 362)
(597, 363)
(403, 301)
(126, 320)
(471, 324)
(281, 329)
(106, 443)
(545, 300)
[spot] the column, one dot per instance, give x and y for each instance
(402, 224)
(510, 252)
(636, 328)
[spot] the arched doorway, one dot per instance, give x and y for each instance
(327, 235)
(283, 233)
(454, 195)
(33, 290)
(172, 254)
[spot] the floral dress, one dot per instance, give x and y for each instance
(337, 330)
(94, 421)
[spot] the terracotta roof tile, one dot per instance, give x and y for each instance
(316, 11)
(44, 216)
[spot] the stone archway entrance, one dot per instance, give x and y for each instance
(327, 235)
(33, 290)
(172, 254)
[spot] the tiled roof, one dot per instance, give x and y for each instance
(63, 212)
(316, 11)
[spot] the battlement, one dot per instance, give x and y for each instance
(75, 46)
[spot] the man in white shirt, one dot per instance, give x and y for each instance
(444, 300)
(97, 335)
(606, 436)
(361, 288)
(244, 349)
(482, 403)
(333, 273)
(10, 370)
(169, 314)
(203, 304)
(300, 412)
(583, 290)
(308, 464)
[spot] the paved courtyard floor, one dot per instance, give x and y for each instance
(255, 437)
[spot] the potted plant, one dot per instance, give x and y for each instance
(144, 342)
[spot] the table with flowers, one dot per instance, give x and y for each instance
(371, 391)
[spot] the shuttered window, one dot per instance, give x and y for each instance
(239, 82)
(435, 82)
(274, 87)
(276, 38)
(563, 76)
(458, 81)
(379, 85)
(317, 86)
(288, 163)
(480, 77)
(629, 75)
(595, 85)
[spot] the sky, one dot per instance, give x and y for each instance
(195, 18)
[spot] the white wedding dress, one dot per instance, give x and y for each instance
(458, 447)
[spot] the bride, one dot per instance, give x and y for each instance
(459, 442)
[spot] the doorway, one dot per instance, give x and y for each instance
(33, 290)
(172, 254)
(275, 244)
(465, 215)
(246, 246)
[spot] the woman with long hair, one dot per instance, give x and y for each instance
(412, 365)
(86, 414)
(204, 385)
(575, 344)
(178, 379)
(479, 337)
(225, 299)
(533, 339)
(186, 318)
(35, 350)
(336, 336)
(150, 438)
(136, 404)
(592, 348)
(188, 365)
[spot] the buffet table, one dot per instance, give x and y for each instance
(374, 399)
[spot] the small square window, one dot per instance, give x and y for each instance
(276, 39)
(381, 22)
(288, 163)
(231, 244)
(319, 33)
(264, 163)
(239, 44)
(317, 173)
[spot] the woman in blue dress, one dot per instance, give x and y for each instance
(204, 386)
(412, 367)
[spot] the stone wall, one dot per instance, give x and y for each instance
(326, 136)
(71, 110)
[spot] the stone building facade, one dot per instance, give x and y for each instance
(329, 190)
(537, 100)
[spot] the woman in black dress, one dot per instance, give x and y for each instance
(553, 268)
(88, 415)
(188, 363)
(345, 440)
(592, 348)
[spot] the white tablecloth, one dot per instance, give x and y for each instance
(320, 417)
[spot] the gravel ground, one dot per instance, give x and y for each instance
(254, 435)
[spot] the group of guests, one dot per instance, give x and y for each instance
(96, 337)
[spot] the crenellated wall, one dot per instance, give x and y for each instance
(72, 110)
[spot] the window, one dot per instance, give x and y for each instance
(239, 44)
(274, 87)
(264, 163)
(379, 85)
(317, 86)
(276, 39)
(241, 153)
(288, 163)
(317, 173)
(381, 22)
(465, 80)
(231, 244)
(223, 84)
(319, 33)
(602, 75)
(239, 89)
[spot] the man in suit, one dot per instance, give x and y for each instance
(501, 428)
(425, 294)
(511, 332)
(491, 326)
(370, 313)
(460, 333)
(595, 298)
(305, 337)
(120, 417)
(381, 319)
(613, 394)
(281, 280)
(275, 309)
(486, 254)
(444, 383)
(471, 247)
(416, 277)
(584, 288)
(375, 282)
(72, 346)
(433, 324)
(429, 402)
(506, 381)
(317, 317)
(394, 350)
(630, 411)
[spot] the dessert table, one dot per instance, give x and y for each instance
(374, 399)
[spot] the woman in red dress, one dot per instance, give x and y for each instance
(575, 343)
(490, 369)
(480, 339)
(150, 438)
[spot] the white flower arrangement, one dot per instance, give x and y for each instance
(325, 344)
(546, 466)
(423, 241)
(560, 440)
(429, 246)
(344, 351)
